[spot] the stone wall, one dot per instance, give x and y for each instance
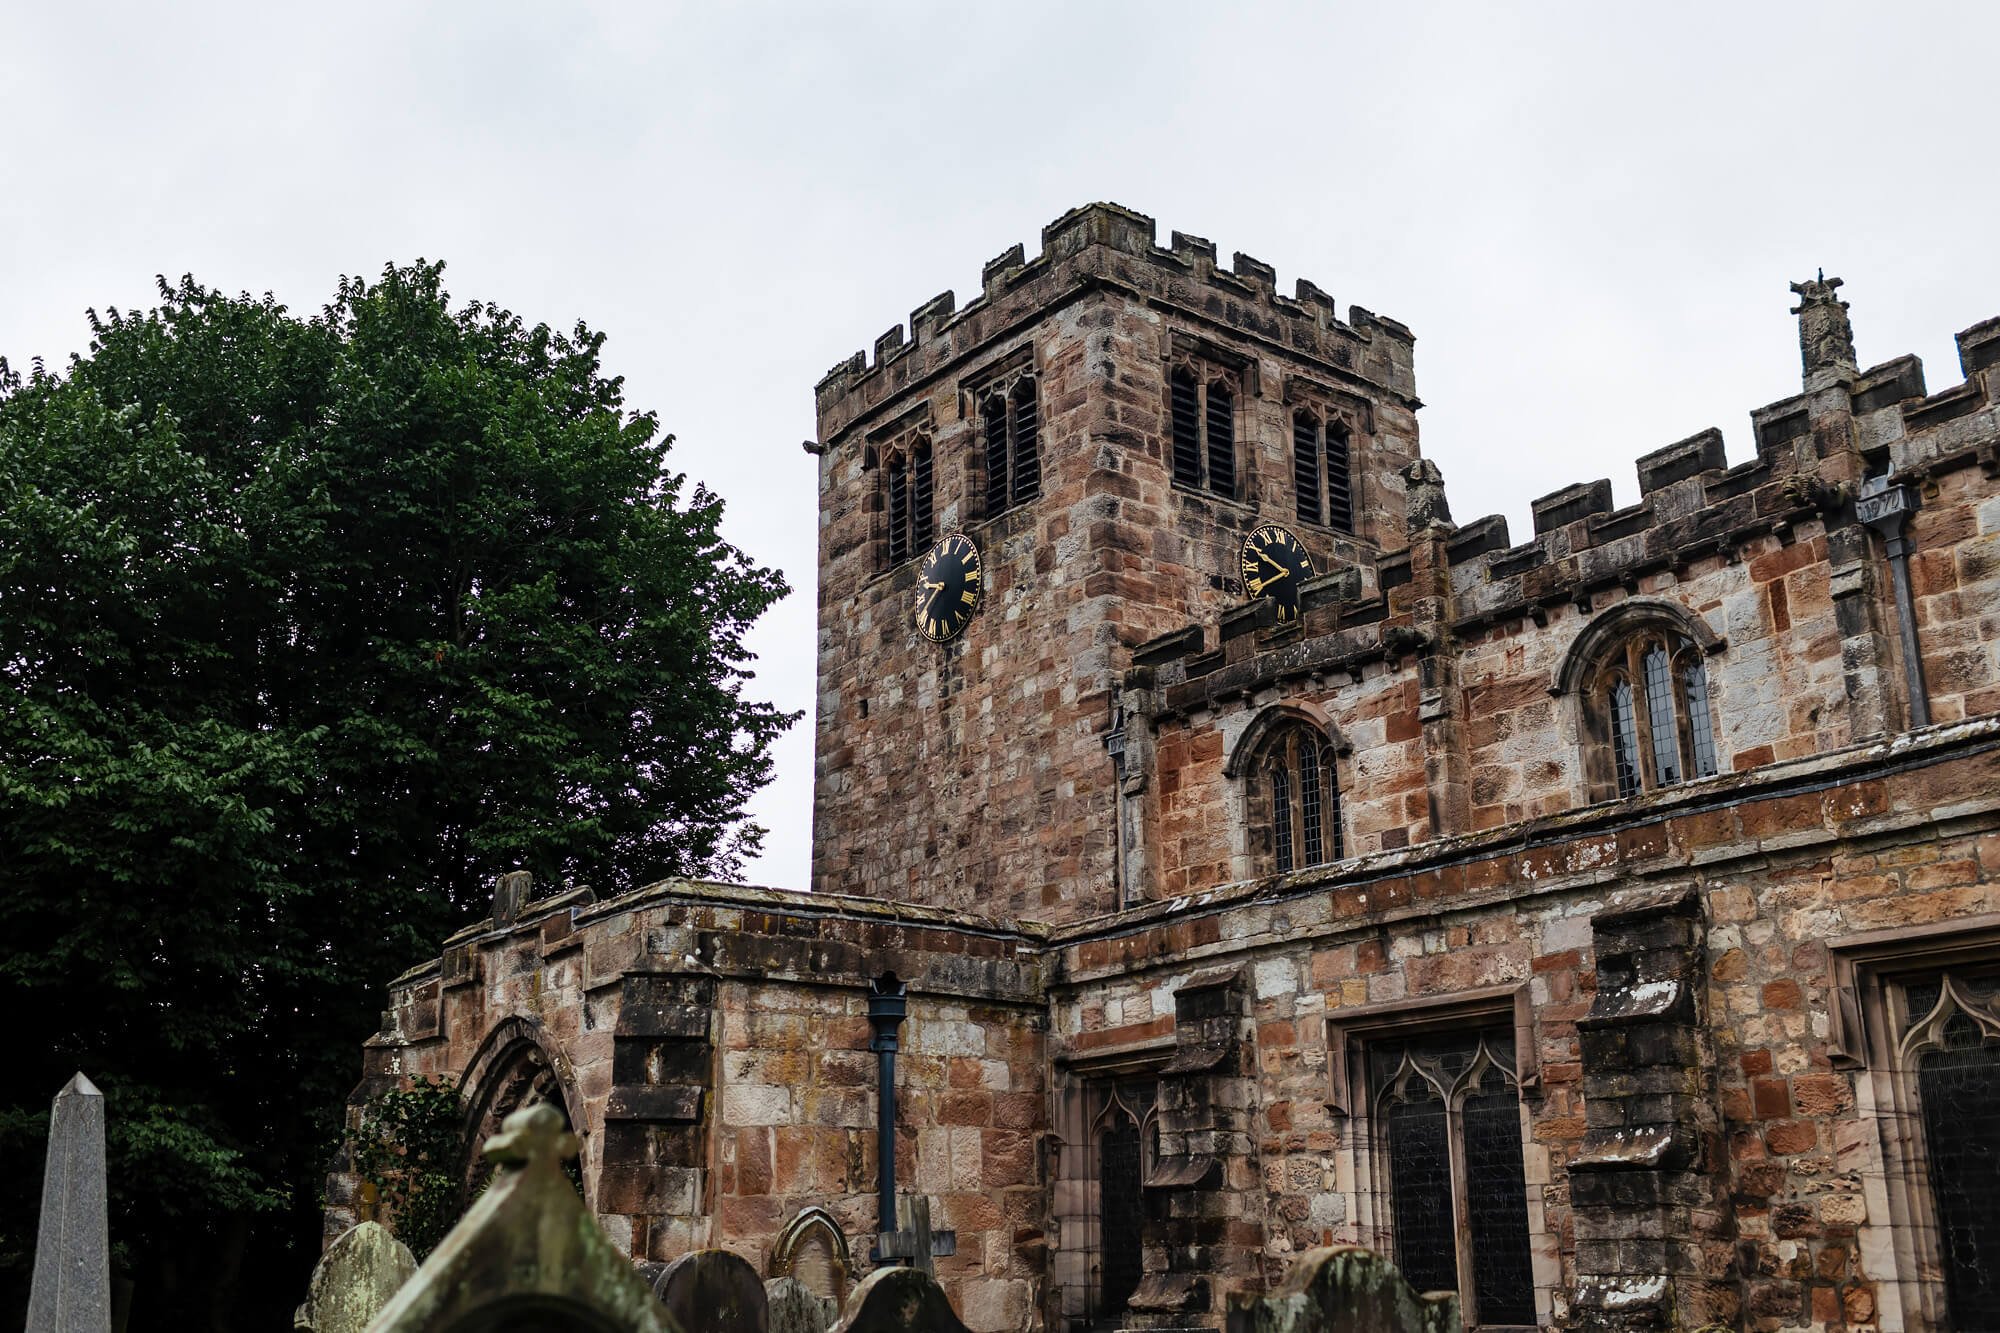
(710, 1043)
(974, 774)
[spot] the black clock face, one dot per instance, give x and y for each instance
(1275, 563)
(948, 588)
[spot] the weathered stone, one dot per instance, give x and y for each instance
(795, 1308)
(72, 1282)
(714, 1291)
(899, 1300)
(1344, 1289)
(354, 1280)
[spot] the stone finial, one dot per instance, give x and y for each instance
(531, 1136)
(1423, 489)
(510, 895)
(1826, 339)
(71, 1292)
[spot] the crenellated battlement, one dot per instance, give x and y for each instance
(1693, 506)
(1106, 245)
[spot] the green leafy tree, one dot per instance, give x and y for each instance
(308, 628)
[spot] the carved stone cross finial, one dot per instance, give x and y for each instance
(531, 1136)
(1826, 339)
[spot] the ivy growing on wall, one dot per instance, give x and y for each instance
(410, 1148)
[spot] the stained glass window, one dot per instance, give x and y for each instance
(1119, 1167)
(1958, 1091)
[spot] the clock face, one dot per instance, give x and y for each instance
(948, 588)
(1275, 563)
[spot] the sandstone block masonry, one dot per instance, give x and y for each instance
(1604, 926)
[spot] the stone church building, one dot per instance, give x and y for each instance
(1604, 924)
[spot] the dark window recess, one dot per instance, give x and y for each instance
(1624, 738)
(1305, 467)
(1185, 411)
(1496, 1203)
(920, 498)
(1958, 1084)
(1339, 480)
(996, 454)
(899, 513)
(1420, 1169)
(1221, 440)
(1027, 444)
(1124, 1215)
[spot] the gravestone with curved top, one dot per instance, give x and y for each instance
(714, 1291)
(899, 1300)
(1348, 1288)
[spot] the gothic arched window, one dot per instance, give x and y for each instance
(1646, 716)
(1300, 800)
(1448, 1155)
(911, 502)
(1201, 419)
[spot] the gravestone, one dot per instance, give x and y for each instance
(796, 1308)
(1344, 1289)
(813, 1249)
(354, 1279)
(714, 1291)
(529, 1254)
(72, 1283)
(899, 1300)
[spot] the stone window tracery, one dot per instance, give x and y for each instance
(1201, 421)
(1647, 716)
(1918, 1011)
(1010, 454)
(1446, 1115)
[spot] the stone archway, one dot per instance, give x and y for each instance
(515, 1066)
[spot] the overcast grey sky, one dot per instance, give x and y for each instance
(1587, 213)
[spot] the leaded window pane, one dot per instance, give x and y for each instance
(1305, 466)
(1221, 440)
(1185, 414)
(1660, 716)
(1123, 1217)
(1309, 805)
(1701, 727)
(1281, 814)
(996, 454)
(1420, 1169)
(1959, 1088)
(1027, 443)
(1624, 737)
(1496, 1204)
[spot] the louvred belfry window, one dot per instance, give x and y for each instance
(1647, 717)
(911, 503)
(1321, 482)
(1201, 424)
(1010, 453)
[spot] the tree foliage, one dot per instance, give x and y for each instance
(308, 628)
(410, 1148)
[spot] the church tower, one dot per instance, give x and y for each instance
(1094, 438)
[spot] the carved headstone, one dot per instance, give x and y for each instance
(529, 1253)
(1346, 1288)
(795, 1308)
(72, 1284)
(714, 1291)
(357, 1276)
(899, 1300)
(813, 1250)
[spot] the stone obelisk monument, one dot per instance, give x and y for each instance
(72, 1291)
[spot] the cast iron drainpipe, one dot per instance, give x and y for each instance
(1887, 507)
(887, 1004)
